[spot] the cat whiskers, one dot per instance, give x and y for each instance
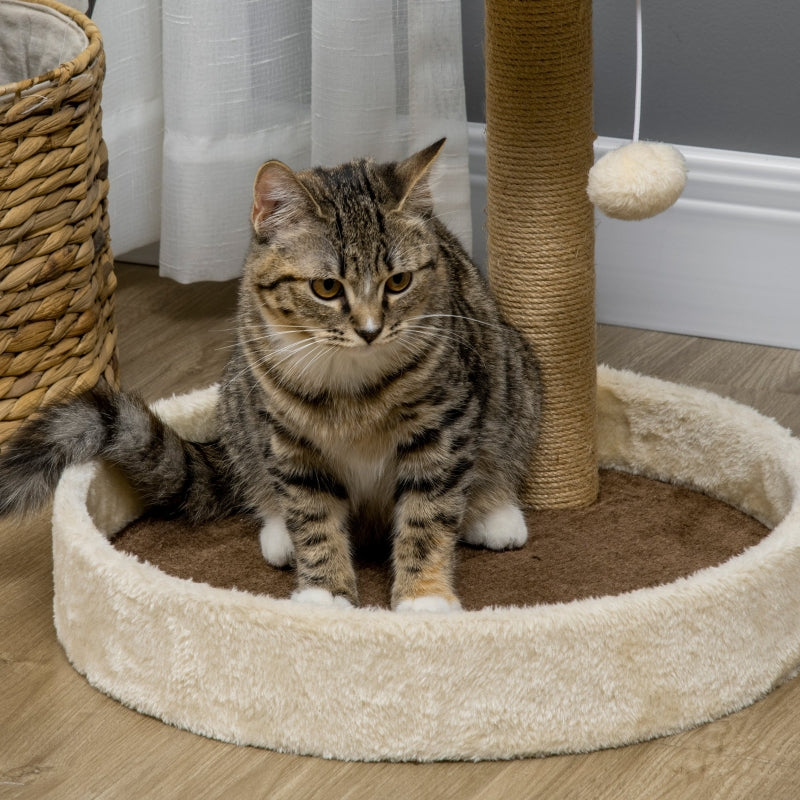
(430, 331)
(298, 351)
(314, 357)
(459, 316)
(284, 353)
(270, 335)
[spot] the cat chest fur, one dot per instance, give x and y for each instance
(366, 467)
(367, 470)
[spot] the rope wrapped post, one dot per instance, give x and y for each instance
(541, 225)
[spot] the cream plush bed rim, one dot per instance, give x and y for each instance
(369, 684)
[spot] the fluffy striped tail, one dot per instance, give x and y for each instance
(171, 475)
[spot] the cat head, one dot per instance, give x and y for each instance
(348, 255)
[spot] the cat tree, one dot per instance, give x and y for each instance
(502, 681)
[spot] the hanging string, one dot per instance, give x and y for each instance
(638, 179)
(637, 113)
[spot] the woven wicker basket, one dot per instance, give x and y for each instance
(57, 283)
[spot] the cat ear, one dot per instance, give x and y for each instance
(279, 198)
(412, 177)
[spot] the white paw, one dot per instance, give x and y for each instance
(276, 544)
(502, 529)
(315, 596)
(430, 602)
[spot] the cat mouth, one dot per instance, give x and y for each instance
(362, 346)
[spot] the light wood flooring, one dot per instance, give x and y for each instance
(59, 738)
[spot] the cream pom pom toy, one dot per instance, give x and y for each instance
(639, 179)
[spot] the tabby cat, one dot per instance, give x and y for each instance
(373, 390)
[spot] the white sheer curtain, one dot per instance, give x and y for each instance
(200, 92)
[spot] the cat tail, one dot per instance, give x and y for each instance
(171, 475)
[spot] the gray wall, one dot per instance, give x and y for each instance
(718, 73)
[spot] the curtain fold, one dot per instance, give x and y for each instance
(133, 120)
(200, 92)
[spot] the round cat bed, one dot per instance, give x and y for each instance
(503, 680)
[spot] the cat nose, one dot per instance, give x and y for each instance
(369, 334)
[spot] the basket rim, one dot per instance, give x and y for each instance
(65, 71)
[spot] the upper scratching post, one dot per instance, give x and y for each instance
(541, 224)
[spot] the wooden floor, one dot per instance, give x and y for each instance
(59, 738)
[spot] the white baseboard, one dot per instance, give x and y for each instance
(723, 262)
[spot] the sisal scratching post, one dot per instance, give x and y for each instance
(541, 224)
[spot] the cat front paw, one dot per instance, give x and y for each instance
(502, 529)
(276, 544)
(314, 596)
(428, 603)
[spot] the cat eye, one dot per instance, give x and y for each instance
(327, 288)
(398, 282)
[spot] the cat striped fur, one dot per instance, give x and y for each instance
(374, 392)
(172, 476)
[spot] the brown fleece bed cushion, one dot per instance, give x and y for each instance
(640, 533)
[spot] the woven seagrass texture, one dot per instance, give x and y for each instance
(57, 283)
(540, 223)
